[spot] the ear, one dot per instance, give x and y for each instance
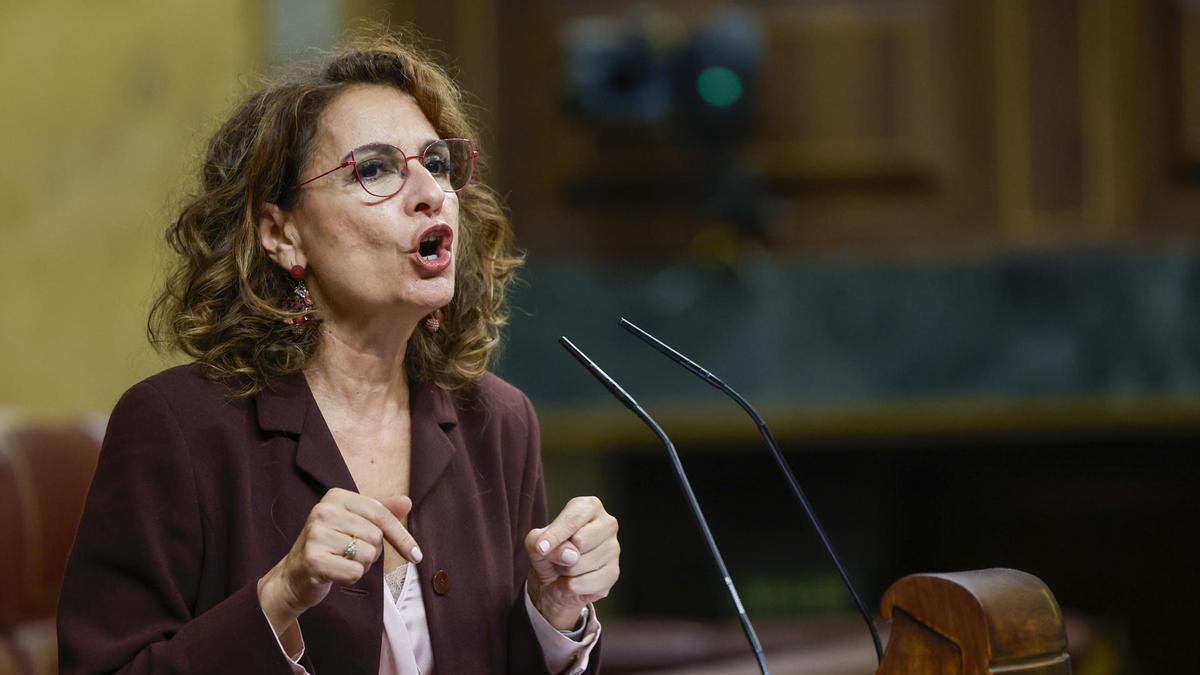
(279, 236)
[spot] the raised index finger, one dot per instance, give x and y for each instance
(387, 519)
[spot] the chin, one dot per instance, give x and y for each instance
(433, 296)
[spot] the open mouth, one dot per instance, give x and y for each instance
(434, 248)
(428, 250)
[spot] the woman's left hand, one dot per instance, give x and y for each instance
(575, 561)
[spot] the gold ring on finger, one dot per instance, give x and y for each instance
(351, 548)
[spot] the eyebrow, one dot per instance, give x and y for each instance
(381, 146)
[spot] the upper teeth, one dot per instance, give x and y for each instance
(435, 239)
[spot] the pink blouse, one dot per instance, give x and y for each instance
(406, 650)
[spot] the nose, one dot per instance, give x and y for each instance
(422, 193)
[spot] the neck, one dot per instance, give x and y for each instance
(359, 369)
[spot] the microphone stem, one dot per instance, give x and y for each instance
(816, 523)
(685, 485)
(699, 371)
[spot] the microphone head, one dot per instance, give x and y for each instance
(598, 373)
(671, 353)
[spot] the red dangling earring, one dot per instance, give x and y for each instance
(299, 301)
(433, 322)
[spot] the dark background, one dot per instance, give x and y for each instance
(949, 247)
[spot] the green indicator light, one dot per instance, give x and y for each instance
(719, 86)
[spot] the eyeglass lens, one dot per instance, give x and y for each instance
(382, 169)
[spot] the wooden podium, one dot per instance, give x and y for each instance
(997, 621)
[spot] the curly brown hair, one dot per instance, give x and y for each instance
(223, 303)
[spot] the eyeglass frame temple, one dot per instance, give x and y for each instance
(353, 162)
(339, 167)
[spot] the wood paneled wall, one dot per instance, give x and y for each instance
(880, 127)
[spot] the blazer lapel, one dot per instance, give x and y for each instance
(342, 633)
(319, 457)
(432, 415)
(287, 405)
(435, 445)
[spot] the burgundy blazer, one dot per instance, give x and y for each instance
(197, 494)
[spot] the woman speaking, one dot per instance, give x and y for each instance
(336, 484)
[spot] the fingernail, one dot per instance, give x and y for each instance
(544, 546)
(416, 554)
(570, 555)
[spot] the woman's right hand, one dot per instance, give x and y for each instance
(316, 561)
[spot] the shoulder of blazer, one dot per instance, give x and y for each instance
(189, 383)
(492, 402)
(201, 405)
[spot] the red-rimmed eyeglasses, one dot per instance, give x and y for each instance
(381, 169)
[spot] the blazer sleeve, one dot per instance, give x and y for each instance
(128, 598)
(525, 652)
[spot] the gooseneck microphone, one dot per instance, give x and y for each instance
(716, 382)
(684, 483)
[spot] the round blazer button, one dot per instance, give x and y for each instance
(441, 582)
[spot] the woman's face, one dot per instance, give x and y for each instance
(364, 253)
